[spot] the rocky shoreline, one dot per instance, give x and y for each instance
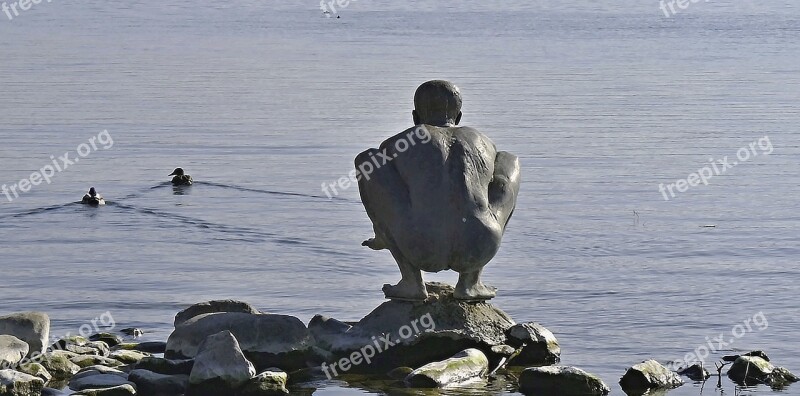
(230, 348)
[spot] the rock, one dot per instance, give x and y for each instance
(12, 350)
(166, 366)
(98, 381)
(95, 370)
(220, 366)
(400, 373)
(305, 375)
(132, 331)
(150, 383)
(732, 358)
(268, 340)
(151, 347)
(128, 357)
(405, 333)
(649, 374)
(91, 360)
(59, 365)
(561, 380)
(541, 346)
(31, 327)
(468, 365)
(14, 383)
(51, 392)
(749, 370)
(63, 343)
(111, 340)
(695, 372)
(100, 347)
(121, 390)
(268, 383)
(36, 370)
(213, 307)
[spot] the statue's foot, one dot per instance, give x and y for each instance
(476, 292)
(405, 291)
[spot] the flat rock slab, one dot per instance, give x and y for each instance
(122, 390)
(98, 381)
(468, 365)
(561, 380)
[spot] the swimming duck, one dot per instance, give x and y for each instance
(180, 178)
(92, 198)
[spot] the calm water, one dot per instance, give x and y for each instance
(263, 101)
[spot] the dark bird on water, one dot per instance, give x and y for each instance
(92, 198)
(180, 178)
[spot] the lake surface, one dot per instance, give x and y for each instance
(262, 102)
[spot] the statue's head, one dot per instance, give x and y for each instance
(437, 103)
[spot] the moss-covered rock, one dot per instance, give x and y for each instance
(748, 370)
(467, 365)
(649, 374)
(36, 370)
(59, 365)
(271, 382)
(14, 383)
(541, 346)
(561, 380)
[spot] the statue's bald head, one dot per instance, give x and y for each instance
(437, 102)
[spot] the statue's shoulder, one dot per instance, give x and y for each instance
(471, 136)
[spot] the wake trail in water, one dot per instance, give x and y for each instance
(37, 211)
(144, 191)
(272, 192)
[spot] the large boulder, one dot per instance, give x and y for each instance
(561, 380)
(150, 383)
(405, 333)
(220, 367)
(647, 375)
(31, 327)
(267, 340)
(213, 306)
(541, 346)
(465, 366)
(14, 383)
(12, 351)
(748, 370)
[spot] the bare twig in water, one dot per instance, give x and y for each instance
(505, 361)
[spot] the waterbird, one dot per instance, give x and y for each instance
(180, 178)
(92, 198)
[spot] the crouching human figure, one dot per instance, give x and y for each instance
(439, 196)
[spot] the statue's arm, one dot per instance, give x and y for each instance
(504, 187)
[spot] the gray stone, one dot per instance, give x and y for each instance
(98, 381)
(561, 380)
(465, 366)
(150, 383)
(268, 383)
(444, 327)
(541, 346)
(31, 327)
(14, 383)
(92, 360)
(121, 390)
(213, 307)
(220, 366)
(151, 347)
(443, 200)
(753, 369)
(111, 340)
(95, 370)
(128, 357)
(268, 340)
(36, 370)
(58, 364)
(695, 372)
(12, 350)
(166, 366)
(64, 342)
(649, 374)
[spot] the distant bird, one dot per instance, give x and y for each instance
(92, 198)
(180, 178)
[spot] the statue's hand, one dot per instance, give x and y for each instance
(374, 244)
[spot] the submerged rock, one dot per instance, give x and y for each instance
(220, 366)
(695, 372)
(732, 358)
(14, 383)
(649, 374)
(151, 347)
(166, 366)
(98, 381)
(128, 357)
(561, 380)
(268, 383)
(268, 340)
(12, 350)
(405, 333)
(92, 360)
(214, 306)
(31, 327)
(111, 340)
(541, 346)
(465, 366)
(150, 383)
(96, 370)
